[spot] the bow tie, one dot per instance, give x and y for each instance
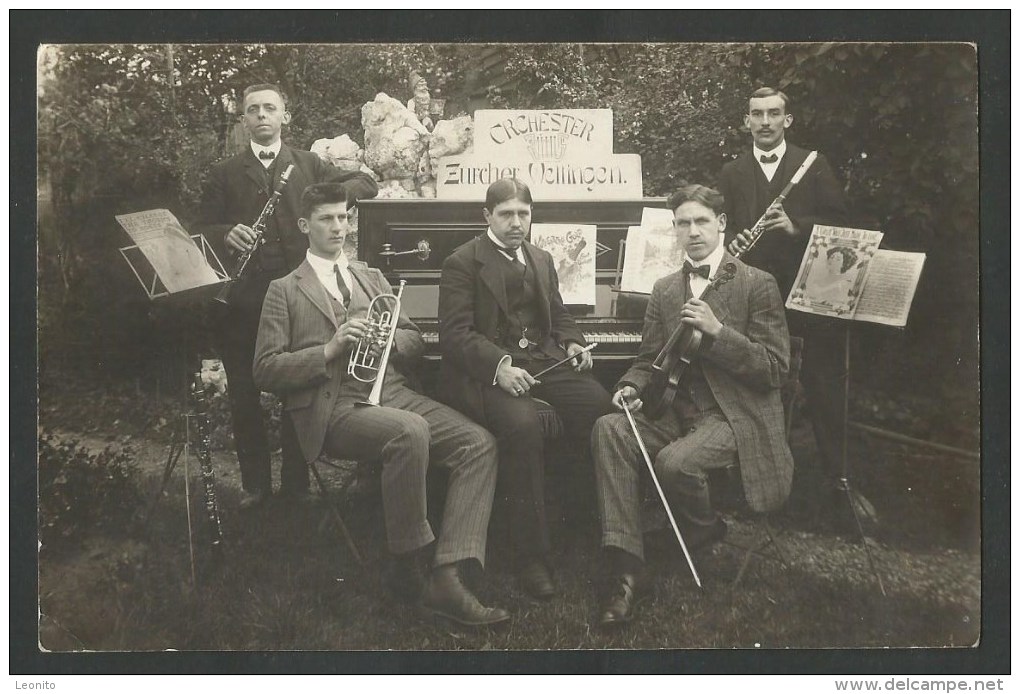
(267, 154)
(768, 158)
(702, 270)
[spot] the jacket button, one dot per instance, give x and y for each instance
(327, 393)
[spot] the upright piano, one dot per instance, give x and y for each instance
(408, 239)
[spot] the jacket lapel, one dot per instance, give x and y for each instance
(254, 170)
(748, 168)
(284, 159)
(673, 302)
(311, 287)
(718, 298)
(488, 257)
(540, 266)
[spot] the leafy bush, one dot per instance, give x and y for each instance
(81, 491)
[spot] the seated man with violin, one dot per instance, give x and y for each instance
(704, 390)
(311, 321)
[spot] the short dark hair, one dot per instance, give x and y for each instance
(264, 87)
(763, 92)
(709, 197)
(507, 189)
(319, 194)
(849, 257)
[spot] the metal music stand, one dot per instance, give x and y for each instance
(180, 445)
(163, 239)
(843, 484)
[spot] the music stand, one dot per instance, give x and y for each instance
(843, 483)
(171, 265)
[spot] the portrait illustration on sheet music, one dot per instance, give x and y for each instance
(834, 269)
(572, 247)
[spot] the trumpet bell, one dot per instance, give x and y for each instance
(363, 365)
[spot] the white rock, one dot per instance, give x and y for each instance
(454, 136)
(393, 189)
(394, 138)
(341, 151)
(425, 168)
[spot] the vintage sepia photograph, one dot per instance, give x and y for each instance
(470, 346)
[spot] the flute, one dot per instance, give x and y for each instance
(758, 229)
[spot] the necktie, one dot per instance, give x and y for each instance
(267, 154)
(769, 158)
(702, 270)
(514, 260)
(342, 286)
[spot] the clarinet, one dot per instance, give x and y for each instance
(201, 411)
(259, 227)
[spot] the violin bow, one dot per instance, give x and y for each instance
(662, 495)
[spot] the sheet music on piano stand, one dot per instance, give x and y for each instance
(167, 261)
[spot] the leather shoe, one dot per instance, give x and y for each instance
(537, 580)
(619, 607)
(446, 596)
(702, 536)
(252, 499)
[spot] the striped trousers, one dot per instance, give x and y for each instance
(407, 433)
(682, 451)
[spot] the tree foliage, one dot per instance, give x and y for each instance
(898, 121)
(123, 128)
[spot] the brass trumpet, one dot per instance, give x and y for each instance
(383, 316)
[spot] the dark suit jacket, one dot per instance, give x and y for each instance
(817, 199)
(297, 320)
(235, 193)
(744, 368)
(474, 317)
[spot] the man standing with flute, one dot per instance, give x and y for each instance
(727, 409)
(750, 184)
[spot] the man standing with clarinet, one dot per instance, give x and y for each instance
(235, 193)
(750, 185)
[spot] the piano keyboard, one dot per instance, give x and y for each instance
(603, 338)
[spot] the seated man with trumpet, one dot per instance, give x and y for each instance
(725, 405)
(328, 332)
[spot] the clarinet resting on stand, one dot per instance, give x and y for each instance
(200, 405)
(259, 227)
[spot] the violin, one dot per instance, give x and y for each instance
(683, 345)
(676, 355)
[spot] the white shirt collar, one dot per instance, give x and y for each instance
(274, 148)
(319, 263)
(324, 271)
(519, 251)
(713, 260)
(779, 150)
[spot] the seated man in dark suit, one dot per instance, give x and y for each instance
(727, 408)
(311, 320)
(501, 320)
